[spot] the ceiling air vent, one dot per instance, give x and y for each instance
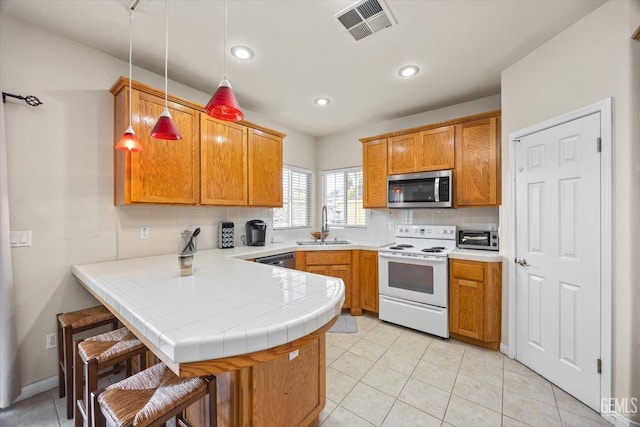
(365, 18)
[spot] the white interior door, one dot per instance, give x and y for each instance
(558, 255)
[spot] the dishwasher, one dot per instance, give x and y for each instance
(286, 260)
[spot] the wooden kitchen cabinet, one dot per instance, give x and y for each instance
(368, 280)
(215, 162)
(436, 149)
(475, 302)
(166, 171)
(223, 158)
(265, 169)
(401, 154)
(329, 263)
(477, 174)
(429, 150)
(374, 171)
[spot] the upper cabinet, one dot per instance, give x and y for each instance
(374, 169)
(470, 146)
(215, 162)
(265, 169)
(429, 150)
(166, 171)
(223, 158)
(477, 173)
(436, 149)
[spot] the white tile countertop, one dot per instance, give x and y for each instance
(476, 255)
(228, 307)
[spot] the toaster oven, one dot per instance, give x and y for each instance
(479, 239)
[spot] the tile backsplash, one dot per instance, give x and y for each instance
(167, 222)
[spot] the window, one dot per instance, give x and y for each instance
(296, 199)
(342, 195)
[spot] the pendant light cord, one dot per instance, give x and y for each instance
(166, 53)
(130, 66)
(226, 4)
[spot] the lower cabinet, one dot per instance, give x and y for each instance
(368, 280)
(475, 302)
(358, 269)
(329, 263)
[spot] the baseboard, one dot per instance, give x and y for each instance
(37, 388)
(506, 350)
(620, 420)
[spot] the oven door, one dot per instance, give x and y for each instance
(423, 280)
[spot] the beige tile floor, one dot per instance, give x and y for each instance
(386, 375)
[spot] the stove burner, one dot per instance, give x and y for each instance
(433, 250)
(397, 248)
(401, 246)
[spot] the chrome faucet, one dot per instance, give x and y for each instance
(324, 228)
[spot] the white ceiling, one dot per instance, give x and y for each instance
(301, 53)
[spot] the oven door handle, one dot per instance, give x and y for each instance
(433, 259)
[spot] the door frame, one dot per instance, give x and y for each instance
(603, 107)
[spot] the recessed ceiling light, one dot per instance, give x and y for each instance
(322, 101)
(409, 71)
(242, 52)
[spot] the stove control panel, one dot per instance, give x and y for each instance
(444, 232)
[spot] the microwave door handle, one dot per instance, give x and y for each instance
(436, 189)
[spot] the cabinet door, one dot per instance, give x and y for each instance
(477, 171)
(435, 149)
(374, 169)
(343, 272)
(467, 287)
(166, 171)
(289, 391)
(368, 278)
(401, 155)
(265, 169)
(224, 162)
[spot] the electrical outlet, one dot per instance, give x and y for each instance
(392, 226)
(144, 232)
(51, 340)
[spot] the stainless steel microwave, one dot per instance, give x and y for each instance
(420, 190)
(479, 239)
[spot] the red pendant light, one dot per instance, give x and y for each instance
(165, 128)
(129, 141)
(223, 104)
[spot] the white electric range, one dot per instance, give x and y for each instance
(414, 278)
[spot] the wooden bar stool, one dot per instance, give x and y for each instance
(70, 324)
(151, 398)
(97, 353)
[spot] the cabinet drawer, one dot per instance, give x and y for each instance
(329, 257)
(469, 270)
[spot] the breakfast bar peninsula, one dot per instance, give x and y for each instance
(260, 329)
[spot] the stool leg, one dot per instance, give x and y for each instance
(67, 337)
(98, 419)
(61, 382)
(78, 369)
(213, 400)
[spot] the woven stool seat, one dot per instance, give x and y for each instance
(85, 317)
(97, 353)
(109, 345)
(69, 324)
(148, 396)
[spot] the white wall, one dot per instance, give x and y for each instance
(592, 60)
(60, 160)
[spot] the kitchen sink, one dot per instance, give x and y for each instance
(326, 242)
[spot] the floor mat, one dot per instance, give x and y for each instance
(345, 324)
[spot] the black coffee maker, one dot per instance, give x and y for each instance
(256, 232)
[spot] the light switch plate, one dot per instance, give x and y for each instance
(20, 238)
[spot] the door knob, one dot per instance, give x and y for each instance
(521, 261)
